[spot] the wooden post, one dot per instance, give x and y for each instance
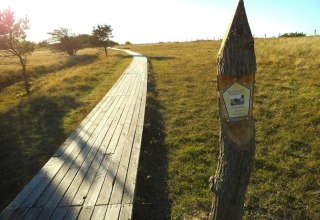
(236, 75)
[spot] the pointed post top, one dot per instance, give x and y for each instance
(236, 56)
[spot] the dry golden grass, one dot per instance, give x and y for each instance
(180, 146)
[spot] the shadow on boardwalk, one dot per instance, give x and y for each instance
(30, 133)
(151, 201)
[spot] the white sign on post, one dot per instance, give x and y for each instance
(237, 100)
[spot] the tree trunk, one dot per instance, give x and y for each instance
(25, 76)
(236, 72)
(106, 51)
(232, 176)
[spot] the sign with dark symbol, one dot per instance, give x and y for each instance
(237, 100)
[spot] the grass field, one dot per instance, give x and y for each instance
(64, 90)
(181, 134)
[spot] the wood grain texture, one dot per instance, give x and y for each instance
(236, 56)
(236, 63)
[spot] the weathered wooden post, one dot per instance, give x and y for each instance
(236, 76)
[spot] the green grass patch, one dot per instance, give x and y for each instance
(32, 129)
(181, 135)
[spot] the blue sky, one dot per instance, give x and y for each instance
(147, 21)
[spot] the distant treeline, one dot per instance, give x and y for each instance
(293, 34)
(82, 40)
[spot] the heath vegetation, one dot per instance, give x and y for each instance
(181, 136)
(181, 132)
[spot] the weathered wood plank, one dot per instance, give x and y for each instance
(83, 190)
(59, 213)
(90, 169)
(129, 189)
(99, 212)
(112, 172)
(115, 118)
(32, 214)
(126, 212)
(46, 212)
(115, 137)
(127, 142)
(108, 183)
(48, 172)
(42, 176)
(81, 151)
(95, 188)
(91, 116)
(72, 172)
(73, 213)
(19, 213)
(84, 174)
(113, 212)
(53, 199)
(86, 213)
(43, 184)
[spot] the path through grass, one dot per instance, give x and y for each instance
(32, 129)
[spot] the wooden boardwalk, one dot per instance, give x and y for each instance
(93, 174)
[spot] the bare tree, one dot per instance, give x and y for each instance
(13, 41)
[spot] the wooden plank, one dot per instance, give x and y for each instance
(18, 214)
(85, 213)
(78, 179)
(117, 191)
(52, 165)
(90, 117)
(126, 212)
(82, 194)
(43, 184)
(66, 168)
(115, 137)
(112, 172)
(99, 212)
(59, 213)
(113, 212)
(107, 185)
(73, 213)
(79, 199)
(95, 188)
(92, 169)
(129, 188)
(46, 212)
(95, 111)
(47, 173)
(57, 196)
(69, 176)
(87, 163)
(32, 214)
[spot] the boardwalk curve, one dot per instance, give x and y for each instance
(93, 174)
